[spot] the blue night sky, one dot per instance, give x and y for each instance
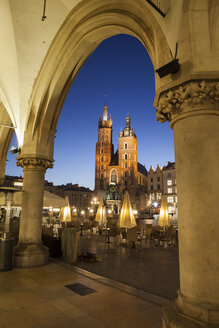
(121, 68)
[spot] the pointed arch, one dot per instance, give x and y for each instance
(85, 28)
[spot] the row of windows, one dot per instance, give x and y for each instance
(114, 175)
(158, 179)
(124, 165)
(171, 190)
(127, 156)
(156, 196)
(102, 137)
(125, 144)
(158, 187)
(171, 199)
(171, 182)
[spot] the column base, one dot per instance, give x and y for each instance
(174, 318)
(30, 255)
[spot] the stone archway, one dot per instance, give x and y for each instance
(87, 25)
(70, 49)
(189, 100)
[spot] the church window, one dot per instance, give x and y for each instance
(125, 145)
(101, 167)
(101, 151)
(126, 183)
(114, 176)
(126, 174)
(126, 157)
(101, 158)
(101, 177)
(126, 165)
(102, 143)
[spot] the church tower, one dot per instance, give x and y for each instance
(128, 164)
(104, 151)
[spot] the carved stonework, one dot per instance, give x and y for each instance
(190, 96)
(31, 162)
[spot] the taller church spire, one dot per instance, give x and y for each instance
(105, 113)
(106, 120)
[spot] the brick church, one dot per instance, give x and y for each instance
(120, 170)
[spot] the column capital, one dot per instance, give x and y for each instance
(194, 97)
(34, 163)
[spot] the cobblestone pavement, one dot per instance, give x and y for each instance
(152, 269)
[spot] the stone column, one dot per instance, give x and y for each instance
(193, 112)
(30, 252)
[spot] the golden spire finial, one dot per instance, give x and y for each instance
(105, 99)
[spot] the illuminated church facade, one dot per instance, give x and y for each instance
(118, 171)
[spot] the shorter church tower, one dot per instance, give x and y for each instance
(128, 164)
(104, 151)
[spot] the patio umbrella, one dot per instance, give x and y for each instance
(163, 219)
(65, 213)
(126, 217)
(101, 214)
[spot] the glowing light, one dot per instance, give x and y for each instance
(155, 204)
(82, 212)
(74, 210)
(126, 217)
(163, 219)
(18, 184)
(109, 211)
(135, 212)
(91, 210)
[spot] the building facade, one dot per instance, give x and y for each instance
(116, 172)
(78, 196)
(162, 181)
(169, 187)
